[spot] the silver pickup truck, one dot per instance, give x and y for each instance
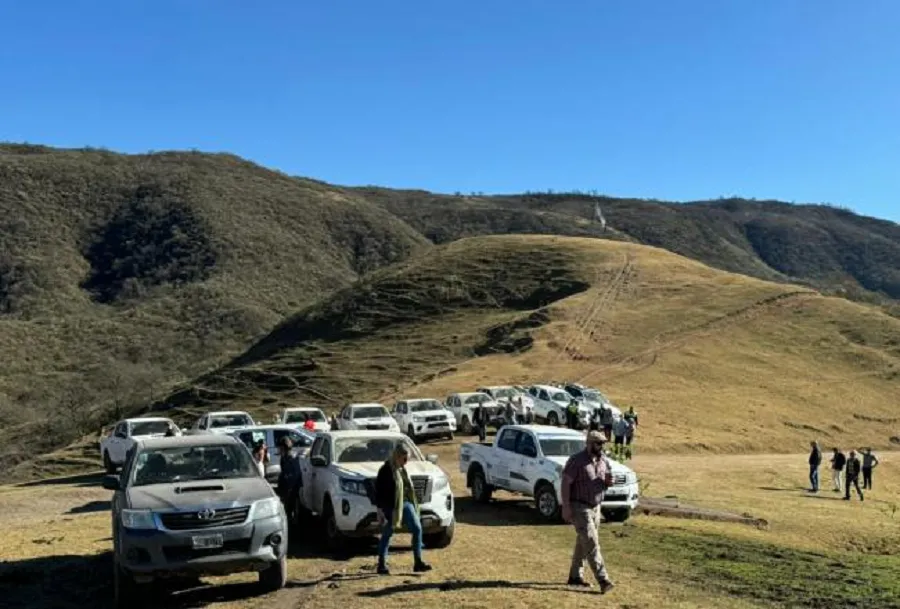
(191, 506)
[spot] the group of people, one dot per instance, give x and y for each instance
(845, 470)
(620, 430)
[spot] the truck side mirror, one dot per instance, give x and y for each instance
(318, 461)
(111, 483)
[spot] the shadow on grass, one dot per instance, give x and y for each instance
(790, 489)
(91, 508)
(452, 585)
(90, 479)
(498, 513)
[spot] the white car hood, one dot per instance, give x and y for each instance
(370, 469)
(375, 421)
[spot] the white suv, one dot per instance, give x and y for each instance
(424, 418)
(366, 416)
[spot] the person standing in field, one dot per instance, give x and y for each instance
(853, 467)
(606, 420)
(815, 460)
(838, 460)
(869, 461)
(585, 478)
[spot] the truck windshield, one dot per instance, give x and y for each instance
(301, 416)
(561, 447)
(370, 450)
(425, 406)
(479, 398)
(561, 397)
(182, 464)
(148, 428)
(370, 412)
(595, 396)
(503, 393)
(231, 420)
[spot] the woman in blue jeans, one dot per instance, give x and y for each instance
(395, 499)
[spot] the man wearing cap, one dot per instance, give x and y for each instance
(585, 478)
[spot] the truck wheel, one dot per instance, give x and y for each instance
(620, 515)
(108, 465)
(553, 419)
(333, 536)
(481, 491)
(274, 577)
(441, 539)
(125, 589)
(546, 502)
(411, 433)
(465, 426)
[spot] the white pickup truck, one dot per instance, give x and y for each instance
(424, 418)
(115, 445)
(223, 422)
(298, 416)
(338, 484)
(529, 460)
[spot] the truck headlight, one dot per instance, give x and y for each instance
(353, 487)
(440, 483)
(138, 519)
(266, 508)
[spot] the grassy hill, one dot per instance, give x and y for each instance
(121, 275)
(711, 360)
(826, 247)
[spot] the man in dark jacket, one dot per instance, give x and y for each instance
(869, 461)
(481, 417)
(815, 460)
(289, 478)
(837, 466)
(853, 468)
(395, 499)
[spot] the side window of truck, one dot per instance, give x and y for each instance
(507, 440)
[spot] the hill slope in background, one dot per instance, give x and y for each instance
(120, 275)
(711, 360)
(826, 247)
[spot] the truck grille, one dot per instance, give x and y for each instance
(435, 418)
(378, 426)
(186, 521)
(185, 553)
(420, 485)
(619, 480)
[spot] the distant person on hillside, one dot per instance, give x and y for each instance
(837, 466)
(510, 413)
(607, 420)
(631, 416)
(289, 478)
(869, 461)
(620, 428)
(815, 460)
(572, 414)
(261, 456)
(595, 419)
(853, 468)
(480, 416)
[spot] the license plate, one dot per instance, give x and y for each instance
(205, 542)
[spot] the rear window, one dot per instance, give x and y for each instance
(230, 420)
(302, 416)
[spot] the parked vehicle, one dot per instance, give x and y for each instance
(593, 398)
(222, 422)
(366, 416)
(462, 405)
(192, 506)
(114, 446)
(551, 403)
(272, 435)
(529, 460)
(502, 394)
(297, 417)
(424, 418)
(338, 485)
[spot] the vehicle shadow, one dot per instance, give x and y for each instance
(451, 585)
(91, 508)
(498, 513)
(82, 480)
(308, 542)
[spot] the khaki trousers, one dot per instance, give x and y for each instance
(587, 544)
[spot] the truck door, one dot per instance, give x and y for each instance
(315, 477)
(506, 462)
(522, 475)
(118, 443)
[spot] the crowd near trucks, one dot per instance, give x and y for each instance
(191, 502)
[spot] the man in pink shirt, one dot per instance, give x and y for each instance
(585, 478)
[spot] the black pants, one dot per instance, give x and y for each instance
(482, 431)
(854, 480)
(867, 477)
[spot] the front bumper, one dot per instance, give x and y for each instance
(356, 516)
(621, 497)
(253, 546)
(434, 428)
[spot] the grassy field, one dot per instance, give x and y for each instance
(816, 551)
(712, 361)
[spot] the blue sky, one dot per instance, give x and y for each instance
(672, 99)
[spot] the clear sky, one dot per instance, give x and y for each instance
(672, 99)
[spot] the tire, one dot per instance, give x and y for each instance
(274, 577)
(441, 539)
(125, 593)
(619, 515)
(108, 465)
(334, 539)
(481, 490)
(546, 502)
(465, 426)
(553, 418)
